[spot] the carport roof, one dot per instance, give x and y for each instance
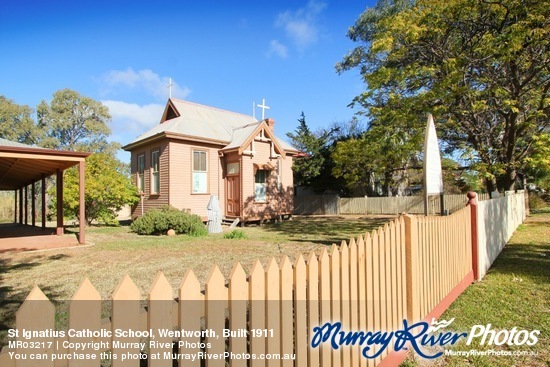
(22, 164)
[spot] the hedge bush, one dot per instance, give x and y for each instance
(159, 221)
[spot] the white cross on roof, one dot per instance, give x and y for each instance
(263, 107)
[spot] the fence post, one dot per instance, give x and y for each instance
(412, 268)
(472, 202)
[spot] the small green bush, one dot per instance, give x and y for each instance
(235, 234)
(159, 221)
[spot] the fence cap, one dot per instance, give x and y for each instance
(471, 197)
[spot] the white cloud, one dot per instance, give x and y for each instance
(277, 48)
(145, 80)
(131, 117)
(301, 26)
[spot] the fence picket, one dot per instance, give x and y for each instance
(361, 286)
(376, 286)
(312, 305)
(256, 289)
(384, 280)
(159, 316)
(345, 298)
(85, 314)
(238, 292)
(126, 315)
(353, 307)
(287, 319)
(300, 333)
(36, 313)
(335, 297)
(190, 311)
(216, 303)
(324, 303)
(369, 289)
(273, 311)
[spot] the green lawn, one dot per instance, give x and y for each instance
(514, 293)
(117, 252)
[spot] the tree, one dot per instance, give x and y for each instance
(74, 122)
(107, 190)
(313, 147)
(16, 123)
(481, 67)
(377, 162)
(538, 163)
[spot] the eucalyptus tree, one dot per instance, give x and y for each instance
(481, 67)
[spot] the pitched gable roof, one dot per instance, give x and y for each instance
(192, 121)
(242, 136)
(195, 121)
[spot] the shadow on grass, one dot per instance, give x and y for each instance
(528, 254)
(527, 260)
(11, 298)
(326, 230)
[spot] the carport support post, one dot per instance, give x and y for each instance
(15, 207)
(26, 206)
(43, 201)
(20, 205)
(81, 212)
(33, 205)
(59, 189)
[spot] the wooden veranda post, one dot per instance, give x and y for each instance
(26, 205)
(59, 214)
(472, 202)
(20, 205)
(43, 201)
(33, 204)
(81, 205)
(15, 206)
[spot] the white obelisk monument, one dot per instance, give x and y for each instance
(433, 175)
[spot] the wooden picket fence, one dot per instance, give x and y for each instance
(332, 204)
(406, 269)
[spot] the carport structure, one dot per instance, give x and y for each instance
(22, 166)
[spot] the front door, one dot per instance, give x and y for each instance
(233, 195)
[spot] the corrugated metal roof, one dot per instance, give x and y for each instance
(208, 123)
(241, 134)
(200, 121)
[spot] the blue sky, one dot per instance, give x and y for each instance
(218, 53)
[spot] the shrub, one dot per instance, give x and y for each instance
(235, 234)
(159, 221)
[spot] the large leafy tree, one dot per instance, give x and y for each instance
(314, 147)
(17, 124)
(75, 122)
(378, 161)
(482, 68)
(108, 189)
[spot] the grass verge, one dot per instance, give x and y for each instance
(514, 293)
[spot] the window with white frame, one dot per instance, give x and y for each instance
(200, 172)
(260, 185)
(141, 172)
(155, 175)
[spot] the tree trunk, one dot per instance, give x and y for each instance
(510, 179)
(491, 185)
